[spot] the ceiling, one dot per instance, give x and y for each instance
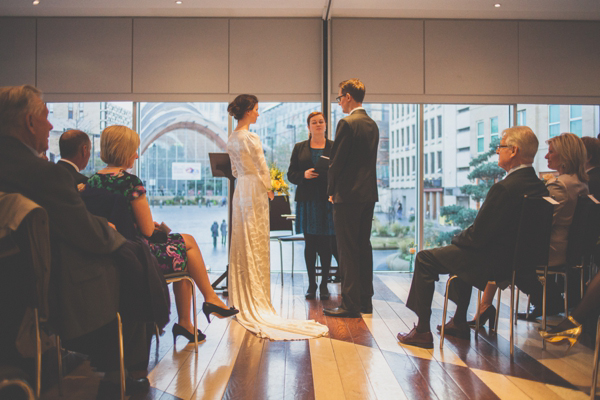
(454, 9)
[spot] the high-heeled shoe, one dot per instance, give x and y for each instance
(180, 330)
(488, 315)
(210, 308)
(571, 335)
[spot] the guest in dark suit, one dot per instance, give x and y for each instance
(592, 165)
(352, 187)
(484, 251)
(75, 150)
(86, 279)
(314, 212)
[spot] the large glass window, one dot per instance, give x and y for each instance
(480, 137)
(90, 118)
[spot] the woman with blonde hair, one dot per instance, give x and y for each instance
(175, 252)
(567, 156)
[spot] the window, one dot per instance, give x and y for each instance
(70, 111)
(397, 138)
(413, 133)
(494, 128)
(402, 135)
(480, 138)
(392, 141)
(439, 118)
(425, 164)
(439, 154)
(432, 124)
(402, 163)
(432, 158)
(553, 120)
(80, 110)
(393, 162)
(522, 117)
(425, 126)
(403, 110)
(413, 164)
(397, 167)
(575, 120)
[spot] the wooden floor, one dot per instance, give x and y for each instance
(360, 360)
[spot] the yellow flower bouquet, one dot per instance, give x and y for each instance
(278, 184)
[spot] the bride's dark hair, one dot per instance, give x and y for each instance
(238, 107)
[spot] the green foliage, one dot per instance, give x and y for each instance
(458, 215)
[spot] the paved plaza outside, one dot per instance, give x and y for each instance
(197, 221)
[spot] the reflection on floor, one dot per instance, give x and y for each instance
(360, 360)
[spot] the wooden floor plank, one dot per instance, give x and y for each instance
(299, 383)
(503, 387)
(270, 379)
(380, 375)
(243, 377)
(408, 376)
(326, 375)
(354, 379)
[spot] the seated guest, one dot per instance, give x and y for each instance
(592, 165)
(75, 150)
(567, 155)
(85, 279)
(483, 251)
(175, 252)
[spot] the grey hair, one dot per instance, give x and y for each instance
(15, 103)
(523, 138)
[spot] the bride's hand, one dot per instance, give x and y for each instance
(271, 195)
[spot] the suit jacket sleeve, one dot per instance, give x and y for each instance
(489, 221)
(295, 174)
(339, 154)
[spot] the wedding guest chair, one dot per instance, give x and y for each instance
(12, 376)
(282, 222)
(531, 251)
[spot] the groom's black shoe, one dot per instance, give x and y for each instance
(340, 312)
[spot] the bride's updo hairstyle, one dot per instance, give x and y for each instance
(243, 103)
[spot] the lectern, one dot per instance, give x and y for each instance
(220, 165)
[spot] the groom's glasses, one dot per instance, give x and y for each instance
(337, 99)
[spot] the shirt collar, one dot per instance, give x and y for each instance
(518, 167)
(70, 162)
(357, 108)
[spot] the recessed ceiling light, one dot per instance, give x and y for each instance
(497, 5)
(36, 2)
(178, 2)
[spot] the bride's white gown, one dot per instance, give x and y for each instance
(249, 262)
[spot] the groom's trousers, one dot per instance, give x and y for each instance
(353, 223)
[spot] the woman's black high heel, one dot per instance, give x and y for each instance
(180, 330)
(488, 314)
(210, 308)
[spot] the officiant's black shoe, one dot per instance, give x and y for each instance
(311, 293)
(340, 312)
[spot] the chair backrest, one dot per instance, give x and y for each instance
(576, 241)
(279, 206)
(533, 237)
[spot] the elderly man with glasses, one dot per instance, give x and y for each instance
(483, 251)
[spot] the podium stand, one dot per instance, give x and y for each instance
(220, 165)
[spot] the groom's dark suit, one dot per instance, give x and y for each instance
(352, 181)
(482, 252)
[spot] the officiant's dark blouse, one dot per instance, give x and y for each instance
(314, 212)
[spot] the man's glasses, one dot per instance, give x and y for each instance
(337, 99)
(503, 146)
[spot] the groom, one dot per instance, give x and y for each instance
(352, 188)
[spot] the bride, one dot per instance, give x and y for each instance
(249, 264)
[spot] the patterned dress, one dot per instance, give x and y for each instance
(171, 255)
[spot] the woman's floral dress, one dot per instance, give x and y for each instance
(171, 255)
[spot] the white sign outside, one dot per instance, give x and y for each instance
(186, 171)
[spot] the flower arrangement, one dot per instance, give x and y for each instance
(278, 184)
